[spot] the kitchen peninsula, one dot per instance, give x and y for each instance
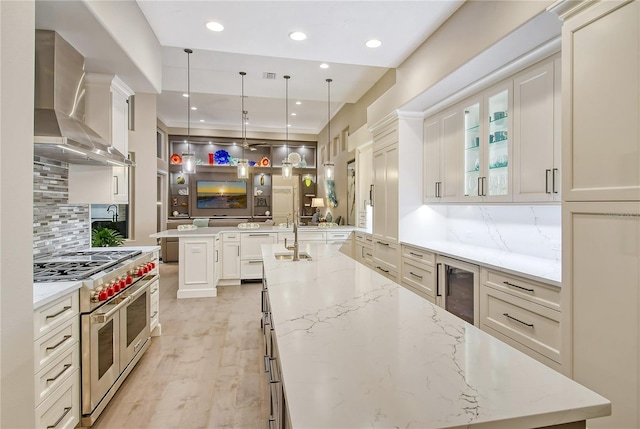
(348, 347)
(226, 255)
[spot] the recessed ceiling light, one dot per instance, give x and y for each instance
(185, 95)
(288, 125)
(297, 36)
(215, 26)
(324, 66)
(201, 120)
(298, 102)
(194, 108)
(373, 43)
(294, 114)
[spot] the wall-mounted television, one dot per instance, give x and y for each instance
(218, 194)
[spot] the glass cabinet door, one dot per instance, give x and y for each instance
(497, 181)
(472, 153)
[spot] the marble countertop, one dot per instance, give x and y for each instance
(46, 292)
(215, 230)
(359, 350)
(546, 270)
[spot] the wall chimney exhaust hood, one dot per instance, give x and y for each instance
(59, 129)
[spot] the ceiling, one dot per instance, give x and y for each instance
(255, 40)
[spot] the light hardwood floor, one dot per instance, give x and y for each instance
(204, 371)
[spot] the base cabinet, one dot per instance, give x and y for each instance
(57, 363)
(231, 257)
(195, 271)
(419, 272)
(251, 253)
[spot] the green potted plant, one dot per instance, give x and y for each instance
(106, 237)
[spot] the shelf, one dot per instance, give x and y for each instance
(491, 120)
(473, 129)
(498, 167)
(472, 148)
(499, 141)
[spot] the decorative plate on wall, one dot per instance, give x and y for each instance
(294, 158)
(221, 157)
(176, 159)
(264, 162)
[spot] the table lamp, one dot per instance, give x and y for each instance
(317, 203)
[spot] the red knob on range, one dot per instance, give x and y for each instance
(129, 279)
(110, 290)
(116, 287)
(153, 265)
(103, 295)
(145, 269)
(140, 272)
(123, 283)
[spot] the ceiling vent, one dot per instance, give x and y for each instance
(269, 75)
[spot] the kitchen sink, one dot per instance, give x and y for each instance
(289, 256)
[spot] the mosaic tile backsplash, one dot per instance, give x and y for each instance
(57, 226)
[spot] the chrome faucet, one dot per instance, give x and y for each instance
(296, 256)
(114, 214)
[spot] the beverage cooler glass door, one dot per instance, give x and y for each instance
(460, 294)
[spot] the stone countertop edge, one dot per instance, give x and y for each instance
(358, 350)
(212, 231)
(46, 292)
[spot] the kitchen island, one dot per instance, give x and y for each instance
(350, 348)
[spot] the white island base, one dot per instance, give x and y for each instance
(195, 272)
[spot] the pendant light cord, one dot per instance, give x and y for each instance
(189, 52)
(329, 118)
(286, 109)
(243, 128)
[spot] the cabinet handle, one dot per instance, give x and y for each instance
(371, 194)
(65, 338)
(435, 189)
(216, 256)
(369, 255)
(519, 287)
(66, 367)
(382, 269)
(238, 250)
(530, 325)
(484, 186)
(266, 363)
(416, 254)
(65, 308)
(479, 186)
(415, 275)
(259, 235)
(384, 244)
(546, 181)
(362, 252)
(255, 262)
(555, 171)
(438, 279)
(115, 185)
(66, 411)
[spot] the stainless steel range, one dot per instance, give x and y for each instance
(115, 315)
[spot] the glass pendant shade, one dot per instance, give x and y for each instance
(188, 163)
(243, 169)
(329, 170)
(287, 170)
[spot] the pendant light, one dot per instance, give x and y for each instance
(243, 163)
(328, 166)
(188, 158)
(287, 167)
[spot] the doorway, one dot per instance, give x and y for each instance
(282, 204)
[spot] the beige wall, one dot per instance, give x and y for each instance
(142, 143)
(17, 37)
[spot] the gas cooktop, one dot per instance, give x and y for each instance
(78, 265)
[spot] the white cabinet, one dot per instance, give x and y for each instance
(418, 272)
(365, 181)
(601, 78)
(363, 251)
(303, 237)
(231, 257)
(195, 271)
(536, 133)
(600, 290)
(154, 309)
(441, 178)
(57, 363)
(107, 113)
(385, 183)
(386, 258)
(523, 313)
(251, 253)
(217, 263)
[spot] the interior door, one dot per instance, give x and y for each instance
(282, 204)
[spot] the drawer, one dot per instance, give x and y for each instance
(420, 292)
(54, 375)
(419, 276)
(62, 408)
(530, 324)
(540, 293)
(361, 236)
(54, 314)
(230, 237)
(250, 244)
(418, 255)
(338, 236)
(251, 269)
(302, 236)
(385, 270)
(386, 253)
(55, 343)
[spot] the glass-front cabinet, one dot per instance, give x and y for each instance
(487, 146)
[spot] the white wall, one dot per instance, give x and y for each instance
(17, 38)
(142, 143)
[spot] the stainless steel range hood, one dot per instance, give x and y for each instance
(59, 129)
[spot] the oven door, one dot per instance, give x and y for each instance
(135, 320)
(100, 352)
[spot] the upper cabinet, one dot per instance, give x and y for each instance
(500, 145)
(601, 77)
(536, 129)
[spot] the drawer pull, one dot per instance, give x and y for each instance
(416, 254)
(259, 235)
(66, 337)
(382, 269)
(530, 325)
(66, 367)
(155, 313)
(369, 255)
(383, 243)
(519, 287)
(254, 262)
(65, 308)
(66, 411)
(415, 275)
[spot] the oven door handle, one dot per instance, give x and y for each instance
(104, 317)
(140, 291)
